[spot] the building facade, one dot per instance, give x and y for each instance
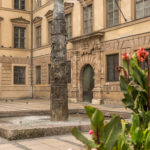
(98, 32)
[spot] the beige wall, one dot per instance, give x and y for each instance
(81, 50)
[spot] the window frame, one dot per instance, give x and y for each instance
(19, 37)
(38, 82)
(84, 8)
(38, 37)
(106, 14)
(134, 16)
(114, 68)
(19, 5)
(69, 36)
(38, 3)
(25, 74)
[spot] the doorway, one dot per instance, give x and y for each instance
(88, 83)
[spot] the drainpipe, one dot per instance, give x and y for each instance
(31, 51)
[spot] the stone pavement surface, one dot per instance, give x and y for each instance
(64, 142)
(43, 105)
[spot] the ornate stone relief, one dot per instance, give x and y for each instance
(37, 19)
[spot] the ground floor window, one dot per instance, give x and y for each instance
(38, 74)
(112, 63)
(19, 74)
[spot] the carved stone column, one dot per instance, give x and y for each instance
(59, 69)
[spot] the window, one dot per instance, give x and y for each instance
(68, 19)
(49, 73)
(19, 74)
(38, 36)
(142, 8)
(112, 13)
(38, 3)
(88, 19)
(112, 63)
(50, 29)
(38, 74)
(19, 4)
(19, 37)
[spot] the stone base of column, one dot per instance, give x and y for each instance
(97, 101)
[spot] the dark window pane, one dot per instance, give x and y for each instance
(49, 73)
(50, 29)
(19, 4)
(38, 74)
(19, 74)
(68, 19)
(38, 36)
(112, 63)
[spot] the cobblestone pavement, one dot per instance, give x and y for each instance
(64, 142)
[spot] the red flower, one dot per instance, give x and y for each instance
(91, 132)
(142, 54)
(125, 56)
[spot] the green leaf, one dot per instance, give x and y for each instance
(89, 111)
(97, 121)
(112, 131)
(147, 142)
(137, 87)
(83, 139)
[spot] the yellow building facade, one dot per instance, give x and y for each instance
(99, 31)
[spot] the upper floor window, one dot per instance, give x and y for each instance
(68, 19)
(112, 63)
(88, 19)
(38, 3)
(38, 36)
(19, 4)
(50, 29)
(19, 74)
(19, 37)
(112, 13)
(142, 8)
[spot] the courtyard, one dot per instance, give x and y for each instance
(41, 107)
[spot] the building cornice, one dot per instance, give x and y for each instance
(20, 20)
(15, 10)
(87, 36)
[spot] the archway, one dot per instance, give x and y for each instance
(87, 83)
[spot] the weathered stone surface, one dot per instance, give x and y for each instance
(58, 79)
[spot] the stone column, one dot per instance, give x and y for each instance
(59, 70)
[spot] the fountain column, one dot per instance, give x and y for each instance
(58, 69)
